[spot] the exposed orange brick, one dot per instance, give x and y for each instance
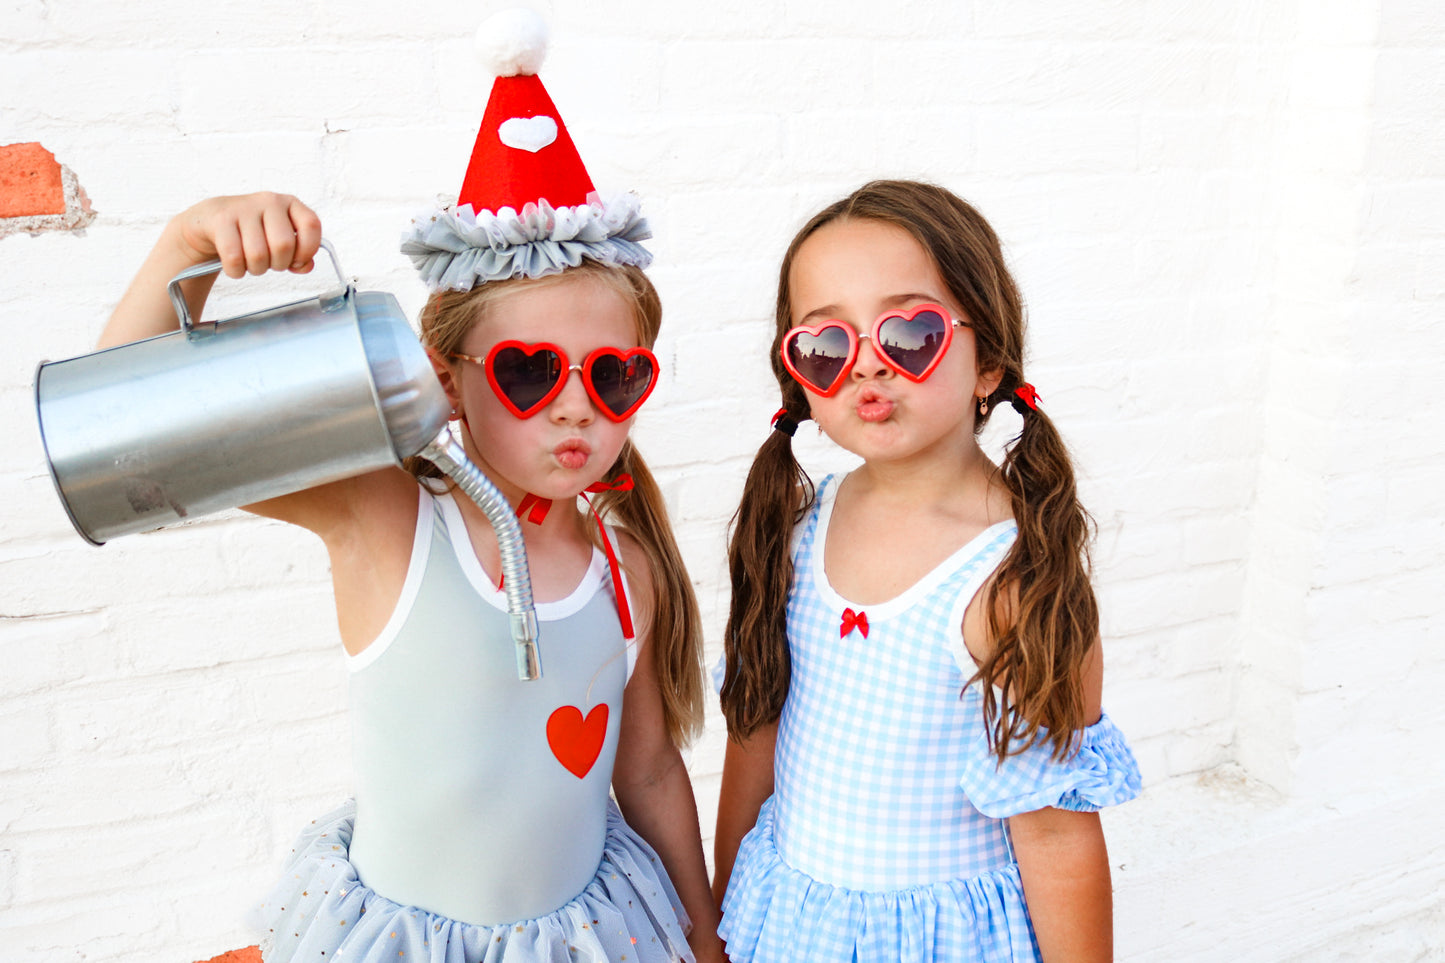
(29, 181)
(251, 954)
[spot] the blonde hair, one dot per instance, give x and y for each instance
(446, 320)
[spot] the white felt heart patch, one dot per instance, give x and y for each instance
(528, 133)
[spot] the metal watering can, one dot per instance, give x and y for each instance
(227, 413)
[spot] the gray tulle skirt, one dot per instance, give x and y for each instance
(320, 911)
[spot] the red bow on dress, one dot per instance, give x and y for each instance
(853, 620)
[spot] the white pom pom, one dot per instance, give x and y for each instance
(512, 42)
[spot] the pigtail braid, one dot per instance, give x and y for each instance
(1042, 613)
(776, 497)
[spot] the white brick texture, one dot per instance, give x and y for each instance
(1228, 220)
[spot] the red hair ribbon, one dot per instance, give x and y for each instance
(853, 620)
(784, 422)
(1029, 395)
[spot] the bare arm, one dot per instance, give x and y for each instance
(654, 790)
(1062, 858)
(747, 782)
(1065, 866)
(1065, 871)
(254, 233)
(250, 234)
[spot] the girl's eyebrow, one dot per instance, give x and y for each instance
(826, 312)
(830, 312)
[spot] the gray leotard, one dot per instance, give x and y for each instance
(465, 805)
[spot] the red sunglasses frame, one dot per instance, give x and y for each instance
(584, 369)
(854, 337)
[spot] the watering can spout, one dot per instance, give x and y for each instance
(446, 454)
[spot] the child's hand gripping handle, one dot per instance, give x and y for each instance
(178, 299)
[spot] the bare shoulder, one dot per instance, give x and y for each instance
(977, 633)
(369, 524)
(978, 639)
(1094, 682)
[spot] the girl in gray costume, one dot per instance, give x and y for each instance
(482, 827)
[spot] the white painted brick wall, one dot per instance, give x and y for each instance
(1228, 220)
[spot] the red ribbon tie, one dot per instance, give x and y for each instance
(624, 611)
(853, 620)
(622, 484)
(1029, 395)
(534, 508)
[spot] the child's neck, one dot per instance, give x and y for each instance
(964, 474)
(892, 523)
(558, 547)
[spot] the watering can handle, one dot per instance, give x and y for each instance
(178, 300)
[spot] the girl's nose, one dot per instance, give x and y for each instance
(572, 405)
(868, 364)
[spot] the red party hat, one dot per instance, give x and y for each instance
(523, 152)
(527, 207)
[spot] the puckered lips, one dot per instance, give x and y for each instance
(873, 405)
(572, 454)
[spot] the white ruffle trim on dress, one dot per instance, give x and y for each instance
(321, 911)
(455, 248)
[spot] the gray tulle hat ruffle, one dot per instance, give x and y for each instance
(455, 249)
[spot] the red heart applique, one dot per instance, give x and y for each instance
(575, 741)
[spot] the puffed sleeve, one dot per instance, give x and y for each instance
(1101, 773)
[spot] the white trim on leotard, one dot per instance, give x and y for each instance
(415, 569)
(957, 644)
(551, 611)
(908, 597)
(471, 566)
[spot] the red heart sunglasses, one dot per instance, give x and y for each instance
(910, 342)
(528, 376)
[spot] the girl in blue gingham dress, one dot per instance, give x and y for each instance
(913, 670)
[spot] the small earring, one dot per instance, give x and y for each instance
(982, 406)
(820, 428)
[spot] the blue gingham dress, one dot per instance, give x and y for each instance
(885, 837)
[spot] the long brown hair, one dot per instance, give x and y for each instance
(446, 319)
(1042, 615)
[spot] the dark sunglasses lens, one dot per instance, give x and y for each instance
(525, 378)
(620, 383)
(818, 358)
(913, 343)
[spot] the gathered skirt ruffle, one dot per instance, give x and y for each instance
(320, 911)
(773, 912)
